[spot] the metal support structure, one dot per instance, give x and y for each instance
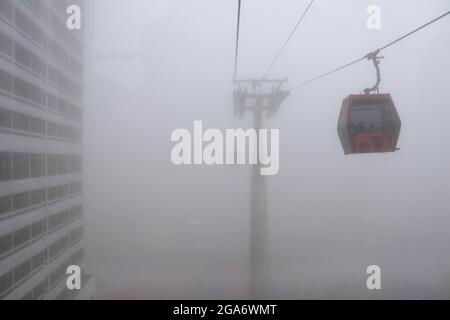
(376, 62)
(260, 97)
(259, 253)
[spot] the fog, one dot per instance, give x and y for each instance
(156, 230)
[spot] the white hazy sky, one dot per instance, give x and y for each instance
(160, 65)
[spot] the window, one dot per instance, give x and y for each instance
(22, 56)
(52, 102)
(52, 193)
(21, 88)
(6, 45)
(62, 164)
(62, 191)
(5, 166)
(6, 280)
(21, 201)
(21, 122)
(36, 95)
(37, 229)
(36, 125)
(75, 112)
(39, 290)
(5, 205)
(53, 251)
(75, 187)
(38, 36)
(6, 9)
(21, 166)
(61, 131)
(21, 236)
(73, 134)
(75, 211)
(38, 260)
(78, 256)
(37, 165)
(37, 197)
(5, 81)
(62, 105)
(27, 91)
(75, 164)
(63, 243)
(22, 271)
(367, 116)
(23, 23)
(38, 66)
(5, 244)
(76, 235)
(63, 217)
(52, 129)
(57, 78)
(75, 90)
(5, 118)
(53, 222)
(52, 164)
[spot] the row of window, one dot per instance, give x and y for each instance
(20, 203)
(22, 89)
(33, 63)
(22, 55)
(14, 241)
(25, 270)
(61, 81)
(42, 288)
(63, 107)
(20, 273)
(14, 16)
(36, 96)
(33, 126)
(9, 12)
(33, 94)
(17, 166)
(37, 292)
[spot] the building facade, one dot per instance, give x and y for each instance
(41, 185)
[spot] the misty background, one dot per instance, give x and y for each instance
(155, 230)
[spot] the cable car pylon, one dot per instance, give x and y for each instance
(261, 97)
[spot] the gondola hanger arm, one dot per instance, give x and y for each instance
(375, 58)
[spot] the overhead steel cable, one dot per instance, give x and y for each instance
(328, 73)
(288, 39)
(371, 54)
(415, 30)
(237, 40)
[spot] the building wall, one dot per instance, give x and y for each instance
(41, 182)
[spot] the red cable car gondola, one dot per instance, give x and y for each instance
(369, 123)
